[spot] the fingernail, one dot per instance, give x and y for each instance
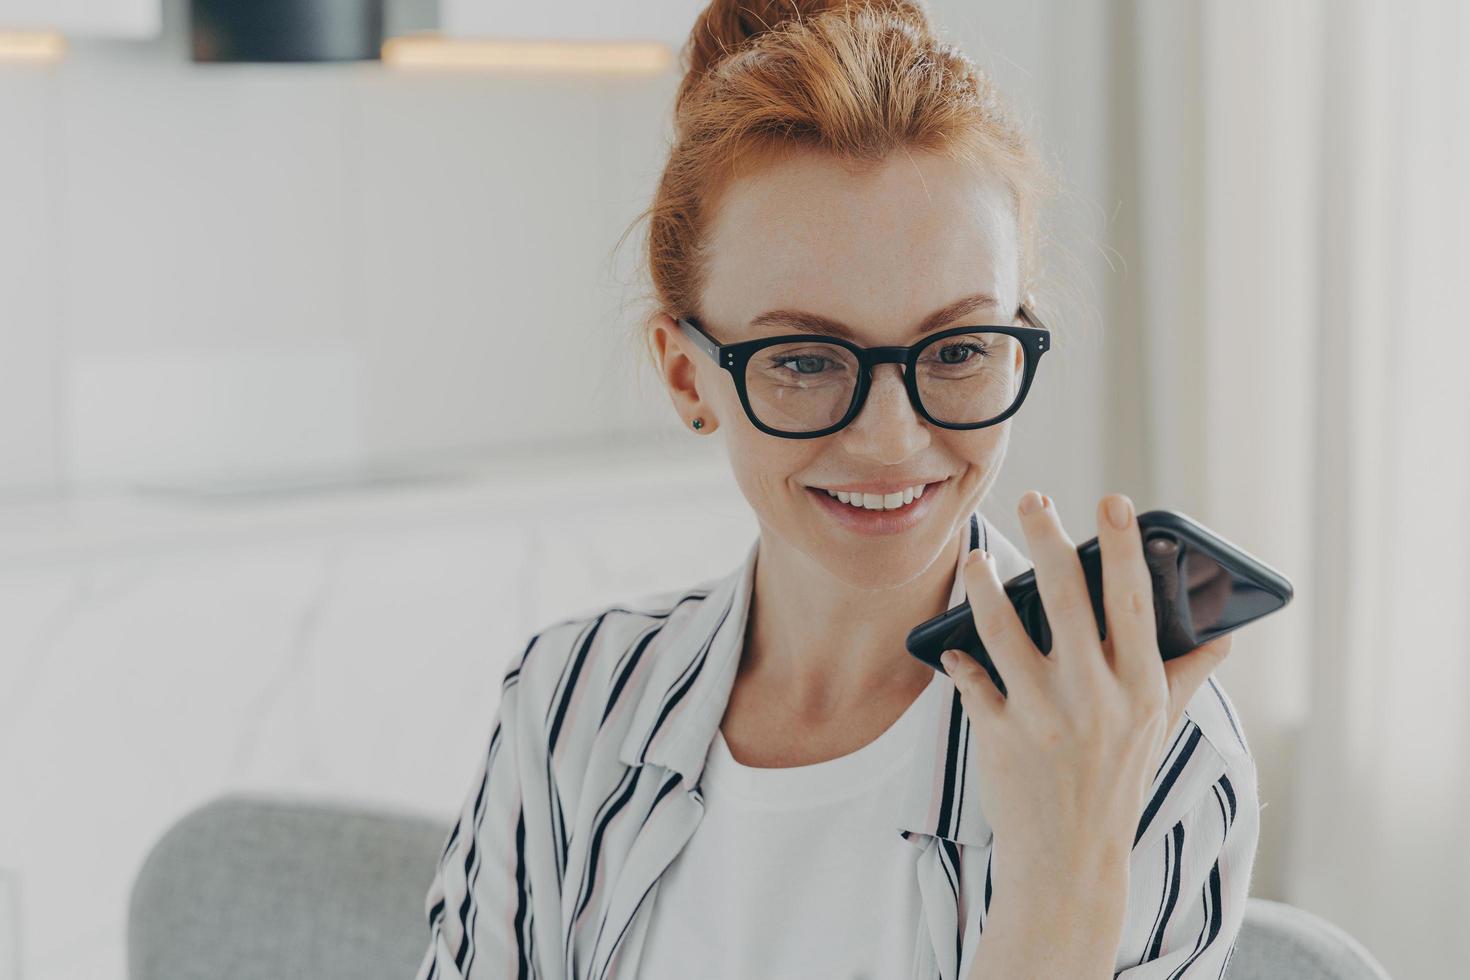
(1119, 507)
(1030, 502)
(947, 659)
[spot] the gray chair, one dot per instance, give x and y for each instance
(1280, 940)
(253, 887)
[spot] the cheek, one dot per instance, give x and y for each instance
(982, 448)
(982, 452)
(766, 466)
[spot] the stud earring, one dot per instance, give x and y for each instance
(698, 424)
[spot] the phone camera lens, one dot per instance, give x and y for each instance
(1161, 543)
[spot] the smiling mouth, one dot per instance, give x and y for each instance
(897, 500)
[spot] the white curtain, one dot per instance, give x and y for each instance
(1303, 299)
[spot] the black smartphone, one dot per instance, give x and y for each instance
(1203, 586)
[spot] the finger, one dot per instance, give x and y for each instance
(981, 698)
(1128, 591)
(1016, 658)
(1060, 580)
(1185, 673)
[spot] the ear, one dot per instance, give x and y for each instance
(676, 359)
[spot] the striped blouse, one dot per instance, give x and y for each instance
(590, 786)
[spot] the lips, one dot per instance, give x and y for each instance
(879, 521)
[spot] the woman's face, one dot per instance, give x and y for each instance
(879, 253)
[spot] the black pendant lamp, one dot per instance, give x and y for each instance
(286, 30)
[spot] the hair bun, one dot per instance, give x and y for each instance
(725, 26)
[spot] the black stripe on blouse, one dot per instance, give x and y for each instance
(1169, 780)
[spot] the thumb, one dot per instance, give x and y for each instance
(977, 691)
(1185, 673)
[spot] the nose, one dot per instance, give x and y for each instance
(888, 428)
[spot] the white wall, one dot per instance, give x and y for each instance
(430, 244)
(96, 18)
(422, 247)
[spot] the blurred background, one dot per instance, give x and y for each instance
(320, 391)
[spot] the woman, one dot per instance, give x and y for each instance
(752, 778)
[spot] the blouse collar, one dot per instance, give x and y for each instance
(680, 709)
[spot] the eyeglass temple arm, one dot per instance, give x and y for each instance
(703, 340)
(1030, 317)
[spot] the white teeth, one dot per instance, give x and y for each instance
(874, 501)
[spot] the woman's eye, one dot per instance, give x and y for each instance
(808, 365)
(960, 353)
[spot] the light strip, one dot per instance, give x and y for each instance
(435, 51)
(31, 45)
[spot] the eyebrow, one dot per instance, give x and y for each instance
(803, 322)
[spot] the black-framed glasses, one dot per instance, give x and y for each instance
(801, 386)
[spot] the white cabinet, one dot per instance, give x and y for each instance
(98, 18)
(158, 651)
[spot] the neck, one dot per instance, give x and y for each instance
(830, 646)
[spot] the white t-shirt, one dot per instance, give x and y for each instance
(796, 873)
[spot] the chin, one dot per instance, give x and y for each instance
(876, 562)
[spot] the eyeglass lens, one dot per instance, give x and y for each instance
(962, 379)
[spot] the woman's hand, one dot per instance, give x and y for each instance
(1068, 754)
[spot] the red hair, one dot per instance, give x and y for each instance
(854, 79)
